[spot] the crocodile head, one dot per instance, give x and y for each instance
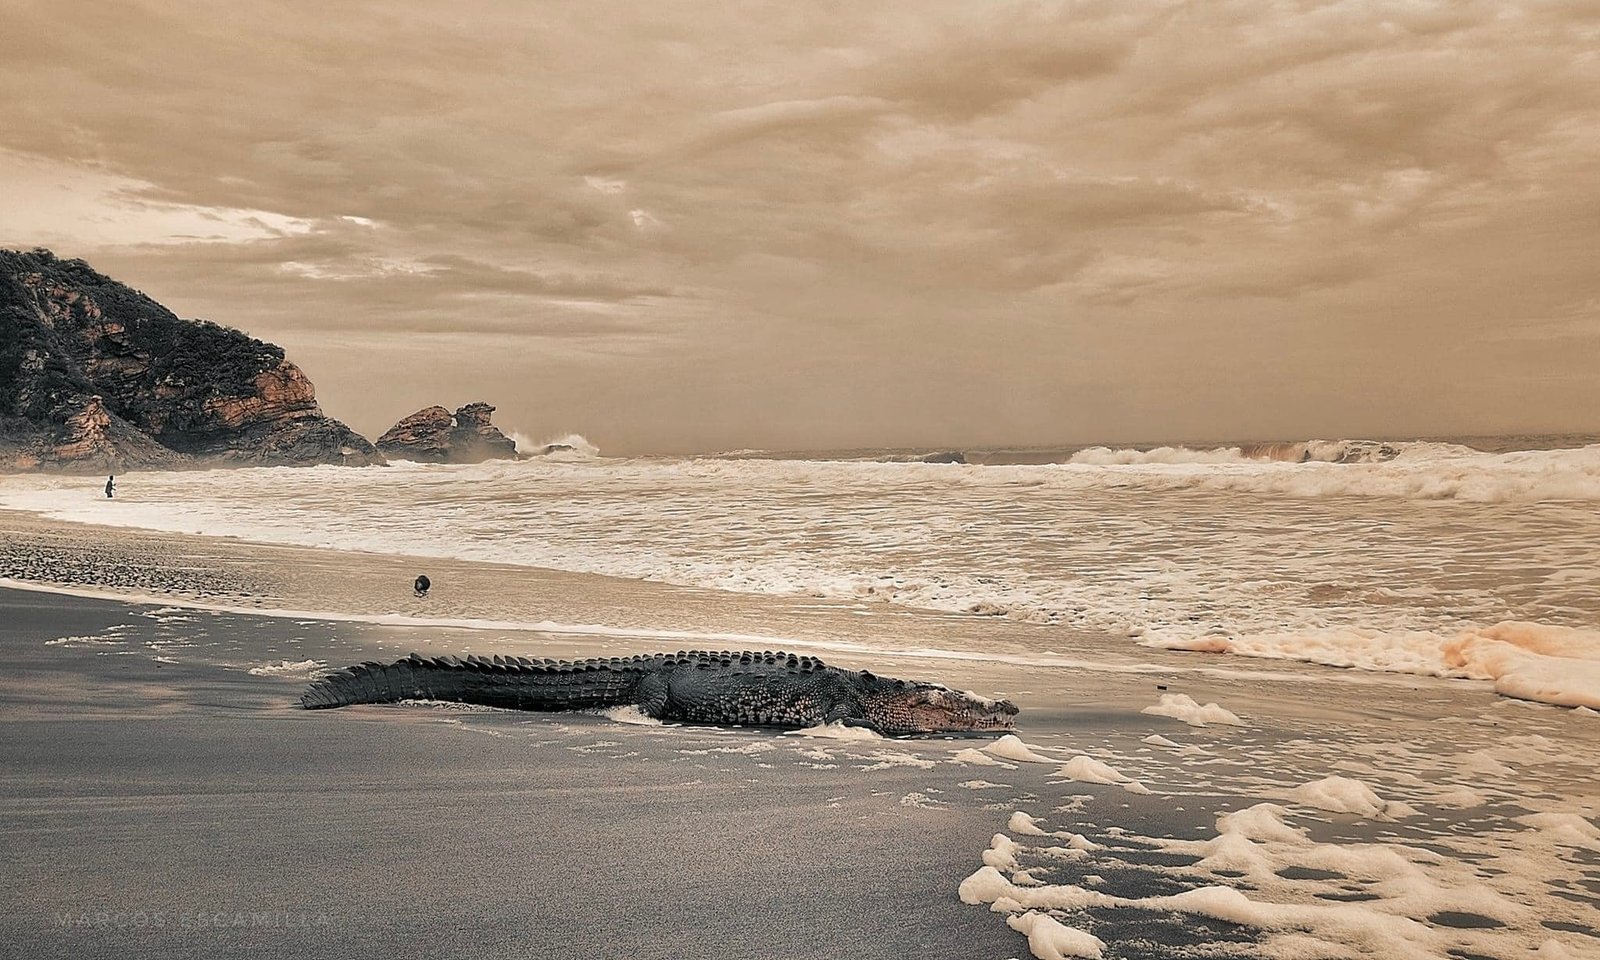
(907, 707)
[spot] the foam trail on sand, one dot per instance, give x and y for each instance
(1531, 661)
(1328, 899)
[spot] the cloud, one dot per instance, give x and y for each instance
(792, 117)
(78, 205)
(992, 57)
(1023, 196)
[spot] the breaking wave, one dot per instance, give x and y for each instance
(1306, 451)
(570, 445)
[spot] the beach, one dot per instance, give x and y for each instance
(963, 481)
(156, 809)
(165, 795)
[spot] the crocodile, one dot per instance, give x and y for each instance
(765, 689)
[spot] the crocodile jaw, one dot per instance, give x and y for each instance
(935, 709)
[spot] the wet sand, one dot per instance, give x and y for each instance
(159, 809)
(160, 799)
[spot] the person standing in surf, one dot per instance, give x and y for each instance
(111, 486)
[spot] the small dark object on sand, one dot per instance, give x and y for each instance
(111, 486)
(421, 585)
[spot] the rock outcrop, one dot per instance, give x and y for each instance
(96, 376)
(435, 435)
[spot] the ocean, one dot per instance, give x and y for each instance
(1475, 559)
(1188, 776)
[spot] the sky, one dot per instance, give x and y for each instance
(678, 227)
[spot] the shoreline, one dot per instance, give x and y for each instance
(301, 582)
(160, 767)
(376, 591)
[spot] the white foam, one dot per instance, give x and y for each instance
(979, 758)
(1050, 940)
(1002, 853)
(884, 759)
(1565, 829)
(1011, 747)
(1459, 798)
(1180, 706)
(85, 641)
(291, 669)
(1026, 878)
(1262, 871)
(1340, 795)
(837, 731)
(451, 706)
(1086, 769)
(630, 714)
(1105, 456)
(1550, 664)
(1024, 825)
(570, 446)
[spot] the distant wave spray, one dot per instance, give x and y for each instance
(574, 445)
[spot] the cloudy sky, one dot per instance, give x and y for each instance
(678, 226)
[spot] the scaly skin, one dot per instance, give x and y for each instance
(769, 689)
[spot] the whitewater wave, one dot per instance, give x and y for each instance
(1109, 457)
(1305, 451)
(1343, 451)
(565, 446)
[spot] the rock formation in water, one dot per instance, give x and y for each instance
(435, 435)
(98, 377)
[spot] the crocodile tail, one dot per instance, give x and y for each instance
(512, 682)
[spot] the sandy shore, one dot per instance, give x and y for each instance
(158, 809)
(161, 799)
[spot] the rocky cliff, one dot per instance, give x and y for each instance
(96, 376)
(435, 435)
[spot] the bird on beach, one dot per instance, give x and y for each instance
(421, 585)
